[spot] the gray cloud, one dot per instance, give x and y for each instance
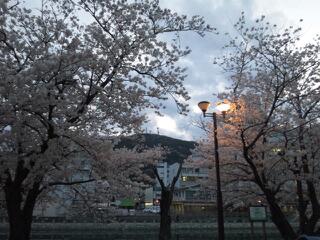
(204, 79)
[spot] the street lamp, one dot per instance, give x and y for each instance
(222, 107)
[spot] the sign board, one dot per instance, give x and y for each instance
(258, 214)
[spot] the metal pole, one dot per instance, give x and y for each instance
(264, 230)
(219, 193)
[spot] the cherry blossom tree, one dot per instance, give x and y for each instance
(269, 139)
(117, 173)
(63, 83)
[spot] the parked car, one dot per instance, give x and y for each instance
(152, 209)
(306, 237)
(132, 212)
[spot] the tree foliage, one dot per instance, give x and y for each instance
(63, 83)
(270, 137)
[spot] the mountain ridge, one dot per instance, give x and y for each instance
(178, 149)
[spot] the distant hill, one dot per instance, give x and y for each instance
(179, 149)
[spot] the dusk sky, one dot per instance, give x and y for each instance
(205, 79)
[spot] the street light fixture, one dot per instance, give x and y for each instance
(223, 107)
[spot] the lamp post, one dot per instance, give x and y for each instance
(223, 107)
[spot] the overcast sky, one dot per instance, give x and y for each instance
(204, 79)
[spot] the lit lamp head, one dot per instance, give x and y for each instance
(204, 105)
(223, 107)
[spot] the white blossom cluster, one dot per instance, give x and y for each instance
(269, 141)
(65, 85)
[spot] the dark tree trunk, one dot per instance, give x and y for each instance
(277, 216)
(165, 217)
(19, 211)
(310, 223)
(165, 203)
(310, 227)
(279, 219)
(302, 206)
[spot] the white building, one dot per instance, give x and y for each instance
(166, 173)
(188, 187)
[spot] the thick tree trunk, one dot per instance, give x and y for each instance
(20, 226)
(20, 217)
(165, 217)
(277, 216)
(310, 227)
(279, 219)
(310, 223)
(301, 207)
(165, 204)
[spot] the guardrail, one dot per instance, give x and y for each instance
(148, 218)
(141, 231)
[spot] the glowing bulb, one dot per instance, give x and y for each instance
(223, 106)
